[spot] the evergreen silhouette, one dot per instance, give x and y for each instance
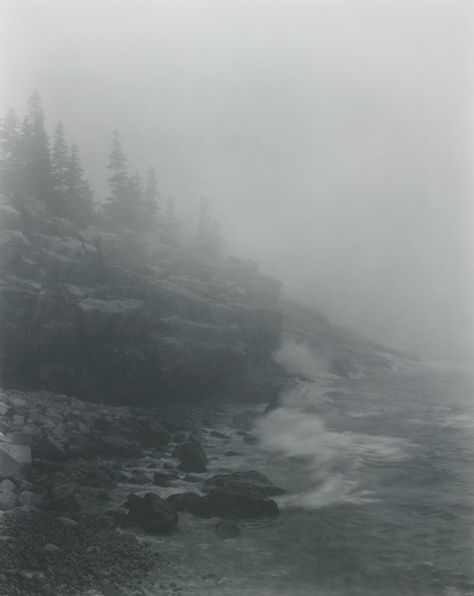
(39, 181)
(78, 195)
(11, 155)
(208, 240)
(150, 208)
(123, 205)
(171, 227)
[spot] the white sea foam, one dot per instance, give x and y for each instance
(333, 461)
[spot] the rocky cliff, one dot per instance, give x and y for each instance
(108, 315)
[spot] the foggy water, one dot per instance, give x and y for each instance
(381, 481)
(380, 491)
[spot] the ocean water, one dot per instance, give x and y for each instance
(379, 474)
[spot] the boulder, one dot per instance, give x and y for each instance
(152, 513)
(238, 505)
(246, 483)
(48, 448)
(191, 456)
(164, 478)
(153, 435)
(62, 497)
(193, 503)
(14, 459)
(118, 446)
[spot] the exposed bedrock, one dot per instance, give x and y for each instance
(115, 316)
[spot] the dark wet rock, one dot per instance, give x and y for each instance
(177, 421)
(14, 460)
(236, 505)
(250, 439)
(154, 435)
(7, 495)
(63, 497)
(118, 446)
(227, 529)
(152, 513)
(29, 500)
(180, 437)
(231, 453)
(191, 456)
(193, 503)
(59, 478)
(48, 448)
(219, 435)
(164, 479)
(192, 478)
(97, 476)
(246, 483)
(138, 477)
(20, 438)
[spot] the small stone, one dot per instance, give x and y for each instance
(51, 548)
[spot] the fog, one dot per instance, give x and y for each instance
(333, 139)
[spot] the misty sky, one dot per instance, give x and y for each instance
(333, 138)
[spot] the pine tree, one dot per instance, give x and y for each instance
(170, 229)
(134, 205)
(119, 183)
(150, 209)
(77, 191)
(208, 240)
(38, 171)
(59, 163)
(11, 166)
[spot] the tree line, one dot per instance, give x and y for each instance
(50, 170)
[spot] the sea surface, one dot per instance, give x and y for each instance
(379, 474)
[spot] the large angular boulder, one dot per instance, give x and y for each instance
(14, 460)
(246, 483)
(118, 446)
(153, 435)
(48, 448)
(152, 513)
(239, 505)
(191, 456)
(193, 503)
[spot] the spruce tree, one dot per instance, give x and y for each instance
(134, 202)
(38, 171)
(150, 209)
(116, 207)
(77, 191)
(11, 164)
(170, 229)
(59, 163)
(208, 239)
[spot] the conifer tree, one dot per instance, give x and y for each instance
(170, 229)
(117, 207)
(11, 163)
(150, 209)
(78, 194)
(38, 170)
(59, 162)
(208, 240)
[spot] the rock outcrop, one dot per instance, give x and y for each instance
(114, 316)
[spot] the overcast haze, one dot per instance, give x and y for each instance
(333, 139)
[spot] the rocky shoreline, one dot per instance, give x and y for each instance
(86, 489)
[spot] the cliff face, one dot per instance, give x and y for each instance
(116, 317)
